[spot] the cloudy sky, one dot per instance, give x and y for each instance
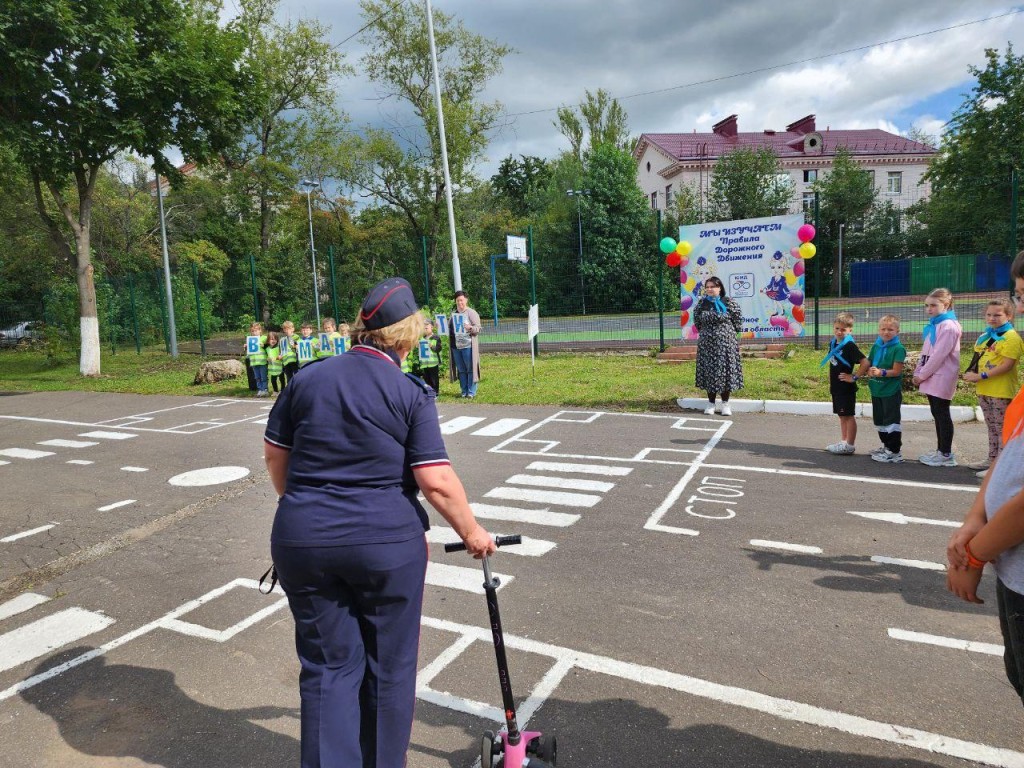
(684, 65)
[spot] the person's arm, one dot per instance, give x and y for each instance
(443, 489)
(474, 321)
(735, 316)
(277, 465)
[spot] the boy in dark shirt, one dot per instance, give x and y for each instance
(843, 358)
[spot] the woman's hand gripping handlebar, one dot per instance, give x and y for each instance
(499, 541)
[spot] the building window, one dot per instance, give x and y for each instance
(654, 201)
(811, 176)
(895, 183)
(668, 196)
(808, 201)
(871, 176)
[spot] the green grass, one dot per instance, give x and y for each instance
(632, 382)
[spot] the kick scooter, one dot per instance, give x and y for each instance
(520, 749)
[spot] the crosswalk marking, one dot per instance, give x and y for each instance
(4, 462)
(526, 516)
(26, 534)
(68, 443)
(581, 469)
(103, 435)
(47, 634)
(20, 604)
(946, 642)
(500, 427)
(529, 547)
(543, 497)
(24, 453)
(459, 423)
(461, 578)
(568, 483)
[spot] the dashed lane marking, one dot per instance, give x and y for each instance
(500, 427)
(567, 483)
(946, 642)
(900, 519)
(925, 565)
(81, 462)
(115, 505)
(525, 516)
(103, 435)
(459, 423)
(785, 546)
(26, 534)
(24, 453)
(581, 469)
(68, 443)
(528, 548)
(47, 634)
(23, 602)
(543, 497)
(134, 469)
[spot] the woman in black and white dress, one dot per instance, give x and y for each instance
(719, 366)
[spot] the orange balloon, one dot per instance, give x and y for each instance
(798, 314)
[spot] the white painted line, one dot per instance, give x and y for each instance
(115, 505)
(68, 443)
(102, 435)
(459, 423)
(466, 706)
(4, 462)
(82, 462)
(209, 476)
(527, 516)
(47, 634)
(946, 642)
(543, 497)
(500, 427)
(134, 469)
(24, 453)
(458, 577)
(426, 675)
(784, 545)
(783, 709)
(26, 534)
(582, 469)
(221, 635)
(924, 565)
(854, 478)
(900, 519)
(261, 422)
(528, 548)
(568, 483)
(20, 604)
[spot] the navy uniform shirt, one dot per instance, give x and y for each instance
(356, 426)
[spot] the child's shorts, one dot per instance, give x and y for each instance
(844, 403)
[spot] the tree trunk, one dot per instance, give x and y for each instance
(89, 361)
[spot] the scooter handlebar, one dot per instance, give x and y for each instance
(499, 541)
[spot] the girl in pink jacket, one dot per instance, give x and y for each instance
(938, 370)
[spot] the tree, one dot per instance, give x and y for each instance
(518, 182)
(748, 184)
(846, 194)
(84, 81)
(603, 122)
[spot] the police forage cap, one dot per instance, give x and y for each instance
(388, 302)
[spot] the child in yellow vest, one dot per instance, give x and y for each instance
(256, 356)
(287, 344)
(275, 368)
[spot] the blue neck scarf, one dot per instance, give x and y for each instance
(929, 330)
(880, 347)
(995, 335)
(834, 351)
(718, 304)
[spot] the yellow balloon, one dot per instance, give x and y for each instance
(689, 284)
(683, 248)
(790, 278)
(807, 250)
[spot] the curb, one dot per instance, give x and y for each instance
(960, 413)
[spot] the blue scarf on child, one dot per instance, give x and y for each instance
(834, 351)
(929, 330)
(880, 347)
(995, 335)
(718, 304)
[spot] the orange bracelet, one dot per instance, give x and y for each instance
(972, 561)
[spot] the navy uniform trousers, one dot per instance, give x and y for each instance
(357, 615)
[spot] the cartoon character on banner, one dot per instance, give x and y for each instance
(778, 288)
(703, 269)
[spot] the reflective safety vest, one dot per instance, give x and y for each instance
(274, 365)
(314, 344)
(328, 350)
(407, 364)
(428, 358)
(260, 357)
(288, 353)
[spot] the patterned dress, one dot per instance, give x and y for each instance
(719, 367)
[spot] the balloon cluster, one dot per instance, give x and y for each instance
(676, 254)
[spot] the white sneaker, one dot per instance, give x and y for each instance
(842, 448)
(710, 410)
(981, 473)
(726, 409)
(888, 457)
(939, 460)
(880, 450)
(929, 455)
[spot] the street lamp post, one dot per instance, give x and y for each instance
(841, 260)
(310, 185)
(578, 193)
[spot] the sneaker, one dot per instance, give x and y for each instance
(887, 457)
(709, 411)
(930, 455)
(726, 409)
(939, 460)
(879, 451)
(980, 465)
(841, 448)
(981, 473)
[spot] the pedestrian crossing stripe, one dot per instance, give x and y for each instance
(529, 547)
(461, 578)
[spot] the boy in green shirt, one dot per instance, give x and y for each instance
(884, 366)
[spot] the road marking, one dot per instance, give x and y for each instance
(459, 423)
(24, 453)
(529, 547)
(854, 478)
(20, 604)
(582, 469)
(209, 476)
(68, 443)
(783, 709)
(568, 483)
(115, 505)
(946, 642)
(4, 462)
(26, 534)
(461, 578)
(924, 565)
(786, 546)
(500, 427)
(526, 516)
(47, 634)
(134, 469)
(102, 435)
(543, 497)
(83, 462)
(262, 421)
(900, 519)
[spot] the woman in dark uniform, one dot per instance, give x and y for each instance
(349, 443)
